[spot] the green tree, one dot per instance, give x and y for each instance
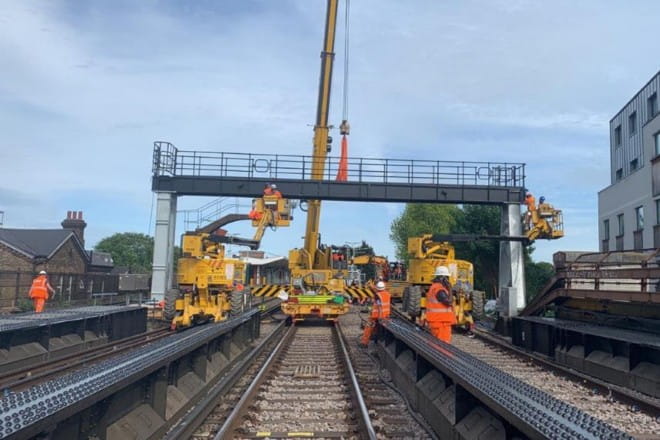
(537, 276)
(418, 219)
(483, 254)
(129, 249)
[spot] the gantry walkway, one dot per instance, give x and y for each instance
(208, 173)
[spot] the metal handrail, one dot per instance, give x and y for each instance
(170, 161)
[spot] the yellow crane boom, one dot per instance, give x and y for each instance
(321, 132)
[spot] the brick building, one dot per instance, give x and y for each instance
(60, 252)
(53, 250)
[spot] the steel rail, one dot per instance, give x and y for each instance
(188, 424)
(355, 388)
(233, 418)
(38, 372)
(17, 379)
(643, 402)
(26, 412)
(535, 413)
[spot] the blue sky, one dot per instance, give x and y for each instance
(86, 87)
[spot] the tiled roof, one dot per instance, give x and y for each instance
(35, 242)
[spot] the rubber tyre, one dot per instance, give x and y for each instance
(478, 301)
(237, 300)
(415, 301)
(404, 299)
(170, 297)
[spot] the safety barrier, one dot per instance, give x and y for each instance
(170, 161)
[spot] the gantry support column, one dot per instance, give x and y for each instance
(512, 262)
(161, 280)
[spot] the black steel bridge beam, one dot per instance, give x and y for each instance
(338, 191)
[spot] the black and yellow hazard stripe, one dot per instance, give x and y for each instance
(269, 290)
(360, 293)
(272, 290)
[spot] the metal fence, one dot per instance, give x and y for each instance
(71, 289)
(211, 211)
(170, 161)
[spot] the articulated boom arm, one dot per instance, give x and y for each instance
(430, 246)
(321, 130)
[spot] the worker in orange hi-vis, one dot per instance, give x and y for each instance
(39, 291)
(531, 216)
(530, 201)
(380, 310)
(274, 191)
(439, 312)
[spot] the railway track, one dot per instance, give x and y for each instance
(391, 415)
(567, 386)
(204, 421)
(628, 411)
(23, 378)
(389, 412)
(306, 388)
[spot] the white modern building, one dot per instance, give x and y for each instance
(629, 209)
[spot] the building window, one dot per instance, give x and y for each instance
(619, 174)
(633, 165)
(657, 212)
(617, 136)
(606, 229)
(620, 221)
(632, 123)
(652, 105)
(656, 139)
(639, 218)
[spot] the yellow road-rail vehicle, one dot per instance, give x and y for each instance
(211, 287)
(426, 253)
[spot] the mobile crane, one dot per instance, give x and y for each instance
(317, 288)
(209, 284)
(314, 287)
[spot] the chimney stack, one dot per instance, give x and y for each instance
(74, 221)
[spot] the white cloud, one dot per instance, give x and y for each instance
(86, 88)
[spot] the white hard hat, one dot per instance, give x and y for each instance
(380, 285)
(273, 186)
(43, 272)
(441, 271)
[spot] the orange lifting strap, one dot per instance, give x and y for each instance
(342, 172)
